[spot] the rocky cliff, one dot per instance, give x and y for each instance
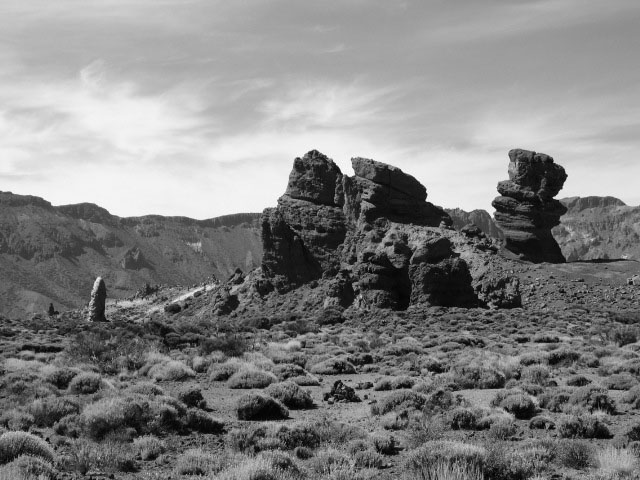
(53, 253)
(526, 210)
(480, 218)
(372, 238)
(599, 228)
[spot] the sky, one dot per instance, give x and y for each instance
(198, 107)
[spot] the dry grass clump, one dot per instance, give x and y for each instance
(582, 426)
(452, 453)
(616, 463)
(394, 383)
(27, 467)
(251, 377)
(170, 370)
(197, 461)
(256, 406)
(516, 402)
(333, 366)
(400, 400)
(592, 398)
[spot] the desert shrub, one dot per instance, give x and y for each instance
(110, 414)
(306, 381)
(16, 419)
(337, 433)
(592, 398)
(191, 396)
(232, 345)
(540, 422)
(302, 434)
(202, 422)
(223, 371)
(290, 394)
(463, 419)
(616, 463)
(303, 453)
(576, 454)
(284, 371)
(196, 461)
(110, 350)
(536, 374)
(502, 429)
(478, 377)
(112, 456)
(623, 335)
(503, 463)
(247, 439)
(442, 400)
(255, 406)
(59, 376)
(520, 405)
(16, 444)
(27, 467)
(384, 444)
(582, 426)
(368, 459)
(534, 358)
(333, 366)
(620, 381)
(546, 338)
(563, 357)
(554, 401)
(149, 447)
(251, 378)
(70, 426)
(487, 418)
(578, 381)
(85, 383)
(444, 451)
(147, 389)
(632, 397)
(330, 463)
(170, 370)
(397, 401)
(47, 411)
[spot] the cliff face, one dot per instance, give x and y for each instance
(599, 228)
(372, 236)
(53, 254)
(480, 218)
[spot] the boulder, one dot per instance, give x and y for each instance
(97, 302)
(526, 210)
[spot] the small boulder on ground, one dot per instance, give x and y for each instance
(341, 393)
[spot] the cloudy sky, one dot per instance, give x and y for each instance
(198, 107)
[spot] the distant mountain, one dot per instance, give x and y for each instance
(53, 254)
(480, 218)
(599, 228)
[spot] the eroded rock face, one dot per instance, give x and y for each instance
(97, 302)
(372, 236)
(526, 210)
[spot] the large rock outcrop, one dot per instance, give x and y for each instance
(372, 236)
(526, 210)
(98, 301)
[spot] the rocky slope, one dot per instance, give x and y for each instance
(599, 228)
(480, 218)
(53, 254)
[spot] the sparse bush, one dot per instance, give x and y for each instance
(27, 467)
(578, 381)
(592, 398)
(632, 397)
(479, 377)
(191, 396)
(623, 335)
(232, 345)
(59, 376)
(554, 401)
(537, 374)
(110, 414)
(47, 411)
(202, 422)
(616, 462)
(582, 426)
(298, 435)
(171, 370)
(198, 462)
(16, 419)
(563, 357)
(220, 372)
(85, 383)
(502, 430)
(255, 406)
(463, 419)
(368, 459)
(400, 400)
(251, 378)
(620, 381)
(15, 444)
(290, 394)
(449, 452)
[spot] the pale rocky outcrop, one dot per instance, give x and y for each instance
(98, 301)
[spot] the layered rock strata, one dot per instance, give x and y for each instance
(526, 210)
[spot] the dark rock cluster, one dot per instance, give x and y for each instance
(526, 210)
(373, 237)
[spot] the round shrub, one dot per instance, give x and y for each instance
(255, 406)
(576, 454)
(29, 467)
(520, 405)
(582, 426)
(536, 374)
(110, 414)
(400, 400)
(172, 370)
(333, 366)
(290, 394)
(191, 396)
(47, 411)
(502, 430)
(463, 419)
(251, 378)
(578, 381)
(60, 376)
(202, 422)
(298, 435)
(85, 383)
(444, 451)
(15, 444)
(149, 447)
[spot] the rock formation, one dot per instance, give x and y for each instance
(373, 237)
(526, 210)
(97, 303)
